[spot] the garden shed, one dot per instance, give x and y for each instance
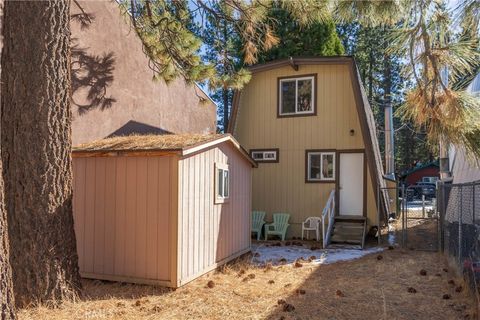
(160, 209)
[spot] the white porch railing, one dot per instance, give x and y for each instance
(328, 215)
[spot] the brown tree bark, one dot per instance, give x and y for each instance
(36, 150)
(7, 303)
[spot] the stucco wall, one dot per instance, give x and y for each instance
(113, 90)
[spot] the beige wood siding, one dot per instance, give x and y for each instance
(123, 217)
(208, 233)
(281, 187)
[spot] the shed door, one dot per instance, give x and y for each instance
(351, 184)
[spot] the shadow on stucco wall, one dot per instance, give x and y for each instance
(135, 127)
(91, 74)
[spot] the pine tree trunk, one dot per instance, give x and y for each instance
(7, 303)
(225, 89)
(370, 77)
(36, 150)
(225, 109)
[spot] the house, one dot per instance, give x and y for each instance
(160, 209)
(113, 91)
(429, 172)
(308, 124)
(462, 169)
(458, 198)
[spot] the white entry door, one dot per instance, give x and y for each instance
(351, 171)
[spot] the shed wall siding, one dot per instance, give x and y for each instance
(212, 233)
(122, 216)
(281, 187)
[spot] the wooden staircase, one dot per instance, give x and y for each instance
(349, 230)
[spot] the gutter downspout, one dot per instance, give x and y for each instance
(389, 143)
(389, 138)
(444, 161)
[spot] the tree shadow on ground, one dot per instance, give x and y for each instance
(388, 285)
(101, 290)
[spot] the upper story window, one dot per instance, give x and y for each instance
(296, 96)
(264, 155)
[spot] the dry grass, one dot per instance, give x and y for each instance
(367, 288)
(147, 142)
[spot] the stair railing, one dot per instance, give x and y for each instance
(328, 216)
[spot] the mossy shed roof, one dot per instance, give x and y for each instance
(183, 144)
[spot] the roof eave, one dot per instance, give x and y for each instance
(185, 151)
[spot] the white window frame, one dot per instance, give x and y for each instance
(264, 152)
(222, 196)
(321, 154)
(296, 96)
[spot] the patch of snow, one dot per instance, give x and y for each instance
(417, 205)
(274, 254)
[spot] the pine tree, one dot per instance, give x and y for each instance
(319, 38)
(221, 51)
(7, 303)
(224, 50)
(423, 33)
(36, 150)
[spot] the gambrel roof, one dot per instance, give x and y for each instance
(365, 114)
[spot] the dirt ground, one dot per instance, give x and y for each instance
(420, 234)
(394, 284)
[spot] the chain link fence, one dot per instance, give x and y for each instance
(459, 209)
(413, 222)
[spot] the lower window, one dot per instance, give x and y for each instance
(264, 155)
(222, 183)
(320, 166)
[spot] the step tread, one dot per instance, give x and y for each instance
(348, 232)
(348, 225)
(348, 229)
(356, 218)
(340, 238)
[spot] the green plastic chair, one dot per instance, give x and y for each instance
(279, 225)
(258, 222)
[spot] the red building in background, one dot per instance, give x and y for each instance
(416, 174)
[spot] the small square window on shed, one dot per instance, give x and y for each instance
(264, 155)
(320, 166)
(222, 183)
